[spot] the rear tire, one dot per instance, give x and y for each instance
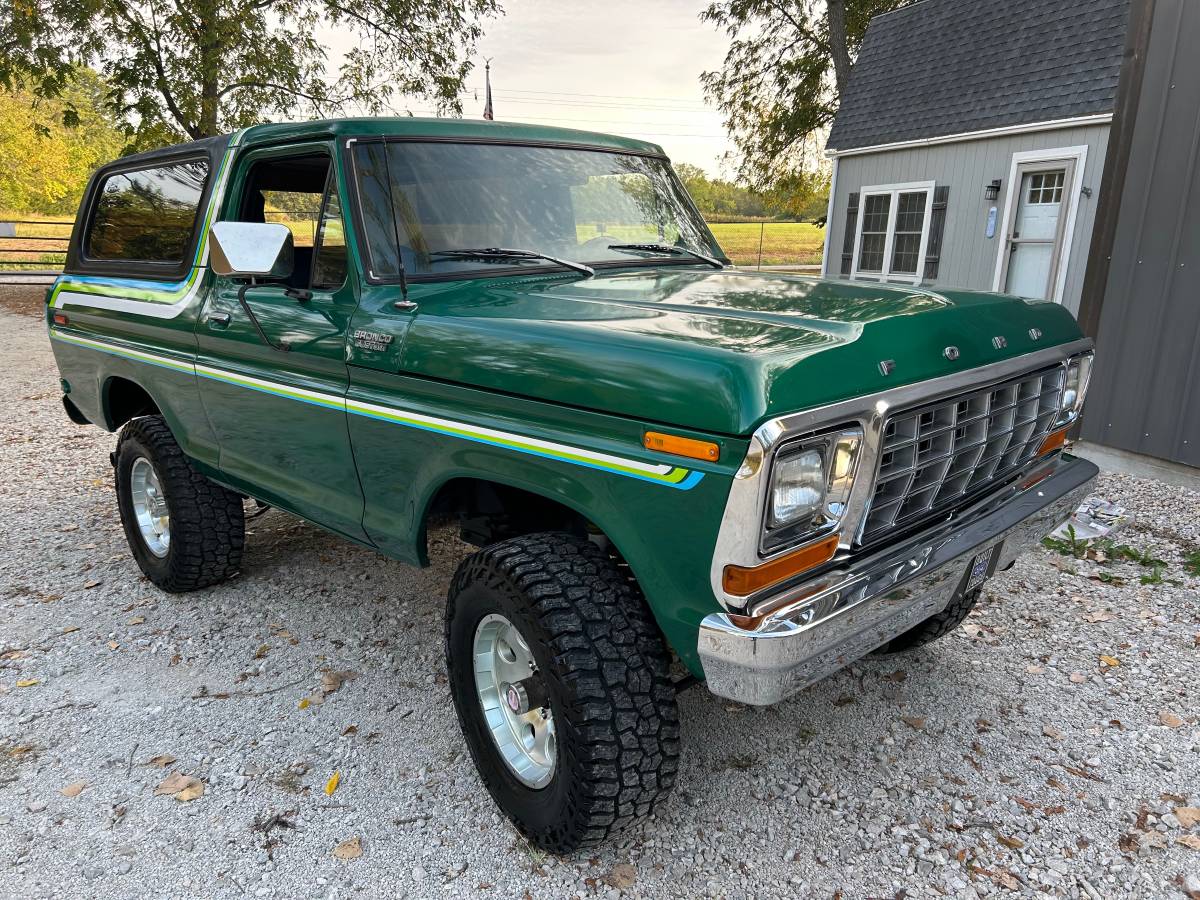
(185, 531)
(598, 664)
(934, 627)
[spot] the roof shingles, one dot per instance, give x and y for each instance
(944, 67)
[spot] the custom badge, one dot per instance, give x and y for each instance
(371, 340)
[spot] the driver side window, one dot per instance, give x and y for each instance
(300, 192)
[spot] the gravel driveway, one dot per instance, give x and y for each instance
(1044, 748)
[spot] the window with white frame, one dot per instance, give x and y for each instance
(893, 231)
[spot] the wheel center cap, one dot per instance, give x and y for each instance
(516, 698)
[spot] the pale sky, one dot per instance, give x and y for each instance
(629, 67)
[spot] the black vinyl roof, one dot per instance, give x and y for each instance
(944, 67)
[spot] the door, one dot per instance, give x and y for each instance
(1035, 238)
(278, 406)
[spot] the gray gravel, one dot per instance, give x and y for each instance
(1006, 758)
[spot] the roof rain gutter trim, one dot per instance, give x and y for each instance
(1027, 128)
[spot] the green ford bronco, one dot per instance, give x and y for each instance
(675, 471)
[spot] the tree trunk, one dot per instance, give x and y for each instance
(838, 48)
(209, 47)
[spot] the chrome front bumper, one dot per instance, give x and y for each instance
(812, 629)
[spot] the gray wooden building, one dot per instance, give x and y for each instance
(1045, 149)
(970, 144)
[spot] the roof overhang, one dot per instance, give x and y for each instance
(1027, 128)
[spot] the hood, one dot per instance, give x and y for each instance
(712, 351)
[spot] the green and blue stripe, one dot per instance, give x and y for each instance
(656, 473)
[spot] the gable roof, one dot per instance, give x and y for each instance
(944, 67)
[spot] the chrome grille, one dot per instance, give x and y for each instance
(937, 456)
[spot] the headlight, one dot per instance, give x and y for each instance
(1079, 373)
(810, 486)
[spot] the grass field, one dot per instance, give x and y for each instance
(35, 246)
(783, 243)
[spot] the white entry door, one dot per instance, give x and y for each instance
(1035, 238)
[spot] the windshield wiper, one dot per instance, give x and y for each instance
(666, 248)
(508, 253)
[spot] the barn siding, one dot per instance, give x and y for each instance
(968, 258)
(1145, 393)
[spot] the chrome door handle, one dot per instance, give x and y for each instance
(219, 320)
(405, 305)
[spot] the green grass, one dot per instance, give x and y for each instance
(783, 243)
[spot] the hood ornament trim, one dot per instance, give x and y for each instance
(887, 366)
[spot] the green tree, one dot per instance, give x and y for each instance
(46, 162)
(206, 66)
(787, 66)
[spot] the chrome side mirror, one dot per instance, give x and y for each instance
(260, 250)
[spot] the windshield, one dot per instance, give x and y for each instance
(420, 200)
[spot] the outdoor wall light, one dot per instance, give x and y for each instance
(992, 191)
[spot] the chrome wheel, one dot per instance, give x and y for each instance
(149, 507)
(514, 702)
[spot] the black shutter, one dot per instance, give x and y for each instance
(851, 232)
(937, 224)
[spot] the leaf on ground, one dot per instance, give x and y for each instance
(73, 790)
(15, 653)
(1011, 843)
(1111, 661)
(914, 722)
(1027, 805)
(113, 645)
(972, 630)
(1129, 843)
(349, 849)
(1189, 840)
(1051, 732)
(843, 700)
(332, 784)
(1102, 615)
(349, 729)
(1187, 815)
(161, 761)
(70, 629)
(20, 750)
(183, 788)
(88, 585)
(262, 651)
(622, 876)
(304, 703)
(331, 681)
(898, 676)
(137, 620)
(1006, 879)
(1169, 719)
(1078, 678)
(1035, 670)
(27, 682)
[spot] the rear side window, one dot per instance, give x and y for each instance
(147, 215)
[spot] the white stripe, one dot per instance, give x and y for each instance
(550, 446)
(353, 406)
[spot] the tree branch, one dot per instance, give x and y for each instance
(139, 33)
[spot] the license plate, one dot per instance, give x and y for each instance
(979, 569)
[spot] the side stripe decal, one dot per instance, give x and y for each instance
(660, 473)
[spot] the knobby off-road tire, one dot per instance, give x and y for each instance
(934, 627)
(603, 666)
(206, 521)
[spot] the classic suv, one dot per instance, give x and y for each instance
(675, 471)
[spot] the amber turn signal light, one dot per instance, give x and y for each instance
(1055, 440)
(741, 581)
(61, 319)
(681, 446)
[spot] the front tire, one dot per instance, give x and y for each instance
(185, 531)
(558, 611)
(936, 626)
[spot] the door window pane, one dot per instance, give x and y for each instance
(876, 209)
(329, 269)
(1046, 187)
(910, 222)
(147, 215)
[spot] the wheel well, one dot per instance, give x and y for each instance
(125, 400)
(488, 512)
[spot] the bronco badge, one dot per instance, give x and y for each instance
(371, 340)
